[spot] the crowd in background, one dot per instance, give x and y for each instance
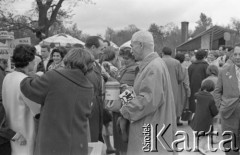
(54, 103)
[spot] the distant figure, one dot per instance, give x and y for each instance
(212, 73)
(206, 110)
(212, 58)
(187, 61)
(184, 88)
(197, 73)
(177, 76)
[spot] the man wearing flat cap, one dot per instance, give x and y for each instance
(154, 103)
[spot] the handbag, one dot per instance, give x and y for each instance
(187, 115)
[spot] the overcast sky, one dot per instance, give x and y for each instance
(117, 14)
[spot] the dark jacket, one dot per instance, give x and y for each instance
(40, 66)
(96, 117)
(6, 134)
(205, 111)
(66, 97)
(197, 73)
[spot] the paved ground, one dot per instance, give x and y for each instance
(188, 130)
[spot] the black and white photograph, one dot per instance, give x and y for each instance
(119, 77)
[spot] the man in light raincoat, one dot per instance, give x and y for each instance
(154, 102)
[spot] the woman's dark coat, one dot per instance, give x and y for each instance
(205, 111)
(65, 96)
(197, 72)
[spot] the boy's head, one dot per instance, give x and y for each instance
(208, 85)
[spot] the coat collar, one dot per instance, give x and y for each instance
(200, 61)
(76, 76)
(147, 60)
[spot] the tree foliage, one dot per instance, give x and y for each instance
(158, 36)
(168, 35)
(44, 14)
(202, 24)
(121, 36)
(235, 25)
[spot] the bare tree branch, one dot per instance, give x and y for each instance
(55, 12)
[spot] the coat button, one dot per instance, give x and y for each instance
(81, 145)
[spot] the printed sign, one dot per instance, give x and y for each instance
(6, 35)
(22, 41)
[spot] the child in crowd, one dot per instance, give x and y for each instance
(206, 110)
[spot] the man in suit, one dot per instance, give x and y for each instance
(45, 63)
(226, 94)
(95, 45)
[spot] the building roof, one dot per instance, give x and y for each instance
(216, 31)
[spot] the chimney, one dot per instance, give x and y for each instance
(184, 28)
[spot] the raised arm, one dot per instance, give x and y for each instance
(36, 89)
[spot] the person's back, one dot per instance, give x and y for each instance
(67, 99)
(66, 96)
(205, 109)
(177, 76)
(196, 72)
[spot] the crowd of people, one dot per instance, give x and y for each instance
(55, 103)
